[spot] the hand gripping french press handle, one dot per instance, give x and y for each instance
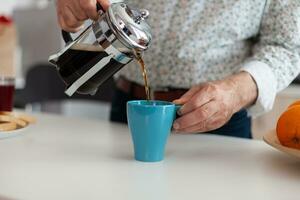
(67, 36)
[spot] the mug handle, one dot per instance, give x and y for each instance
(67, 36)
(177, 107)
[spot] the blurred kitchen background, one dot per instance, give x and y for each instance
(39, 89)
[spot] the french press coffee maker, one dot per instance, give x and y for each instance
(103, 48)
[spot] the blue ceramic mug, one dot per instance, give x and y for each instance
(150, 124)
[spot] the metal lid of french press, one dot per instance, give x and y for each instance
(130, 26)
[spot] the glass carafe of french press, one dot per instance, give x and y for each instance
(102, 49)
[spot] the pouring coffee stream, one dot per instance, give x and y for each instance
(103, 48)
(139, 58)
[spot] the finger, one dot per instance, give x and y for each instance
(199, 99)
(209, 124)
(70, 22)
(78, 12)
(78, 17)
(104, 3)
(184, 98)
(195, 117)
(64, 26)
(70, 29)
(60, 20)
(90, 9)
(216, 121)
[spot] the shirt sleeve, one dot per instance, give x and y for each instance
(275, 59)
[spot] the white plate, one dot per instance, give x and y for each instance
(14, 133)
(271, 139)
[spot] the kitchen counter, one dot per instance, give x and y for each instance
(69, 158)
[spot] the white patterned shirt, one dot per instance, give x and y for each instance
(196, 41)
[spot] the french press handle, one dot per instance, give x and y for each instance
(67, 36)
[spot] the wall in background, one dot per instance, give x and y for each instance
(39, 35)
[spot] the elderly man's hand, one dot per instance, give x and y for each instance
(72, 13)
(210, 105)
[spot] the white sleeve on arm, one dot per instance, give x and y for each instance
(276, 57)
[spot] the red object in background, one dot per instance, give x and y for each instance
(7, 89)
(5, 20)
(6, 97)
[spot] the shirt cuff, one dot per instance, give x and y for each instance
(266, 84)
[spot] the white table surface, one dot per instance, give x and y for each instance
(65, 158)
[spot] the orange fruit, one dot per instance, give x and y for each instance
(288, 127)
(296, 103)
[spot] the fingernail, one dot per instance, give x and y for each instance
(179, 112)
(176, 125)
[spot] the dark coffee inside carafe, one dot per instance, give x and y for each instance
(77, 60)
